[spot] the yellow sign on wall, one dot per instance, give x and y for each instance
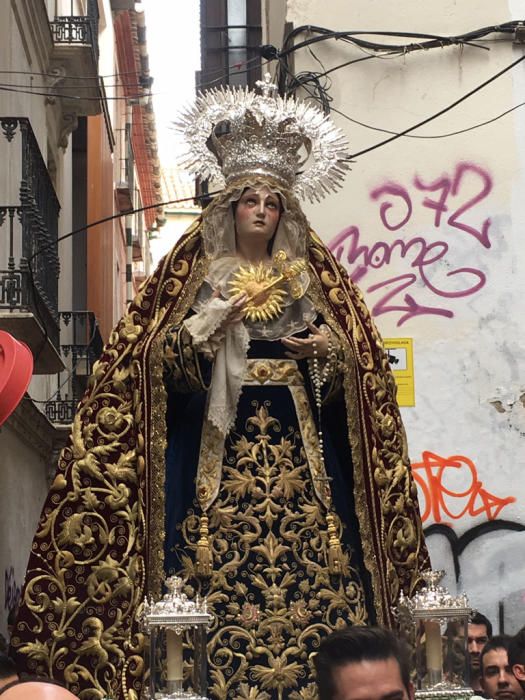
(401, 358)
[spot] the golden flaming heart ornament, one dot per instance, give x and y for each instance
(267, 287)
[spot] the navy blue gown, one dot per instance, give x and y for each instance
(271, 591)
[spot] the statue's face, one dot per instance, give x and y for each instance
(257, 215)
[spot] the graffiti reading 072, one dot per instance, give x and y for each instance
(438, 270)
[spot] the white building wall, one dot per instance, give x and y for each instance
(24, 48)
(432, 229)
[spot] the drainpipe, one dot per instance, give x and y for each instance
(129, 217)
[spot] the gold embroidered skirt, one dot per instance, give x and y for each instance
(271, 592)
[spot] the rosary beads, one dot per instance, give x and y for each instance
(319, 378)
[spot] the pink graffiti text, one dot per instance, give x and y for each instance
(422, 255)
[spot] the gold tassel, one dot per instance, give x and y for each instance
(203, 558)
(335, 552)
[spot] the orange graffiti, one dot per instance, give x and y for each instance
(449, 487)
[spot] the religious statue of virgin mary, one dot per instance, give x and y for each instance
(240, 430)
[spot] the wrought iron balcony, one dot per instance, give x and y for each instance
(78, 29)
(75, 64)
(29, 264)
(83, 340)
(81, 345)
(61, 410)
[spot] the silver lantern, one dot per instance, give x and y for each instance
(437, 626)
(166, 621)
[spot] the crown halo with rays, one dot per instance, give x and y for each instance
(234, 133)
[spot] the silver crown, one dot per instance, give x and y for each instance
(263, 134)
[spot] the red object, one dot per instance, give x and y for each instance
(16, 368)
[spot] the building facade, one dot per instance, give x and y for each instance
(429, 225)
(78, 145)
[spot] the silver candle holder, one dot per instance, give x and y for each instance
(166, 621)
(437, 626)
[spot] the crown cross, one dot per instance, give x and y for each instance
(267, 88)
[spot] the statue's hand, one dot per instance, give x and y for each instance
(303, 348)
(236, 313)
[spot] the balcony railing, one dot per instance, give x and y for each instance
(77, 29)
(14, 284)
(29, 264)
(81, 345)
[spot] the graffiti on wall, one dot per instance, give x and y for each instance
(440, 263)
(450, 490)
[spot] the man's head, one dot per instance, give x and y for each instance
(497, 679)
(37, 690)
(363, 663)
(8, 672)
(479, 633)
(517, 656)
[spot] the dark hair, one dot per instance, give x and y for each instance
(479, 619)
(500, 641)
(7, 666)
(353, 645)
(516, 650)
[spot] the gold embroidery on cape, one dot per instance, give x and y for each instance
(353, 411)
(310, 438)
(395, 511)
(157, 442)
(91, 521)
(181, 362)
(156, 439)
(270, 589)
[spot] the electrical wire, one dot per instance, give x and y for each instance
(38, 90)
(232, 70)
(42, 249)
(301, 80)
(323, 34)
(127, 212)
(320, 94)
(79, 97)
(430, 136)
(429, 40)
(353, 37)
(432, 40)
(66, 75)
(77, 87)
(442, 111)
